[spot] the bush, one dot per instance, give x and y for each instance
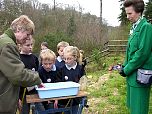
(54, 38)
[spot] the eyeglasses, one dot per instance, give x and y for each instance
(68, 58)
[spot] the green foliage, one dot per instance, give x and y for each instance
(148, 11)
(71, 26)
(123, 17)
(96, 57)
(54, 38)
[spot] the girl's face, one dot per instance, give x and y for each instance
(47, 64)
(60, 52)
(43, 47)
(69, 59)
(26, 48)
(132, 16)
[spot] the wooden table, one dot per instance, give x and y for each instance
(34, 98)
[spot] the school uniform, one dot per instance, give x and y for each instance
(138, 55)
(48, 77)
(31, 62)
(71, 74)
(59, 63)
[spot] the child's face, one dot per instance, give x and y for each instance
(26, 48)
(43, 47)
(60, 52)
(48, 64)
(69, 59)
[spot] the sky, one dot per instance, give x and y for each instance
(110, 11)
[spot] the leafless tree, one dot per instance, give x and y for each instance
(101, 11)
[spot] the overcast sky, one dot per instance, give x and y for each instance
(110, 11)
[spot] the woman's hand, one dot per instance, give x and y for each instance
(121, 72)
(41, 85)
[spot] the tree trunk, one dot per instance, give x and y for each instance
(100, 11)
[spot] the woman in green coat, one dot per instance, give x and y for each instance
(138, 55)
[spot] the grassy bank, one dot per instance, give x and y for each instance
(107, 90)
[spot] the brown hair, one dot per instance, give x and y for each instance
(45, 44)
(62, 44)
(138, 5)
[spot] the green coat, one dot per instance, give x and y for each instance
(12, 74)
(139, 51)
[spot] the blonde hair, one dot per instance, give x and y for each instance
(62, 44)
(74, 51)
(23, 23)
(81, 56)
(47, 54)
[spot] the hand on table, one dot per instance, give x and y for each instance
(41, 85)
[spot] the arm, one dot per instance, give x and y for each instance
(36, 62)
(14, 69)
(144, 49)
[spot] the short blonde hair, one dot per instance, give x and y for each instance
(47, 54)
(62, 44)
(23, 23)
(74, 51)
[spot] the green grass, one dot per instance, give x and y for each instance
(108, 96)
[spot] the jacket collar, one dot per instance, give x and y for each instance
(10, 33)
(59, 59)
(72, 67)
(140, 24)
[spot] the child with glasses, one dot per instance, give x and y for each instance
(71, 71)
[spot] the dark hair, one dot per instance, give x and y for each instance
(45, 44)
(138, 5)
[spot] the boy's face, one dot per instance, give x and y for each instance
(26, 48)
(48, 64)
(69, 59)
(60, 52)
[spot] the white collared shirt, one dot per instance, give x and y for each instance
(135, 25)
(59, 58)
(69, 68)
(53, 68)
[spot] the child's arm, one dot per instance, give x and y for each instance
(56, 104)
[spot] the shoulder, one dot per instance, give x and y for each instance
(79, 66)
(5, 39)
(40, 69)
(146, 24)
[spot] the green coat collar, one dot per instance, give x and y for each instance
(10, 33)
(140, 24)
